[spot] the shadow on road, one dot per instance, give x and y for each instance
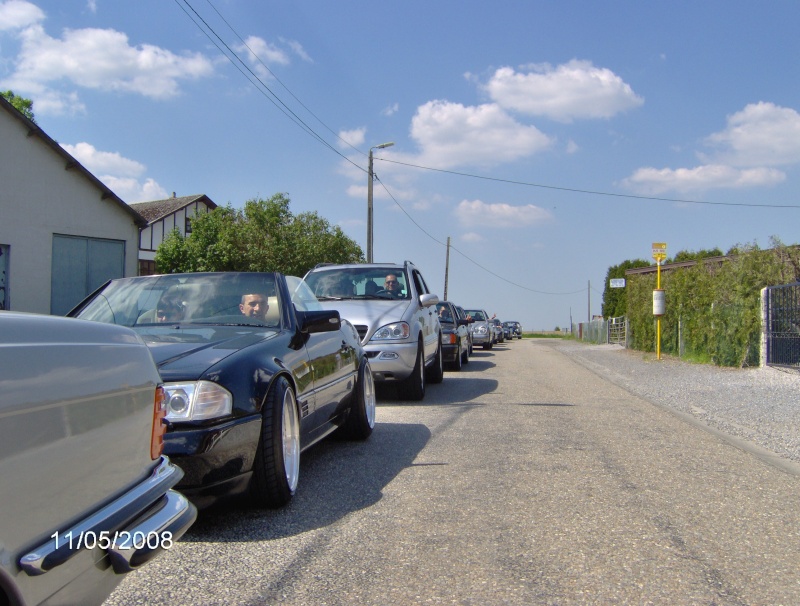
(336, 478)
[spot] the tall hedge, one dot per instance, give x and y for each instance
(713, 309)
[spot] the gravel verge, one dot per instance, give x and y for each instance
(757, 405)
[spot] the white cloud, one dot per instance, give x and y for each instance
(654, 181)
(572, 147)
(260, 54)
(298, 49)
(451, 134)
(477, 213)
(104, 162)
(574, 90)
(132, 191)
(18, 14)
(471, 236)
(99, 59)
(120, 174)
(353, 137)
(762, 134)
(390, 110)
(755, 141)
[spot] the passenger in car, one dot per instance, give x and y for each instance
(254, 305)
(170, 308)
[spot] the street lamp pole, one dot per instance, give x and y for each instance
(370, 178)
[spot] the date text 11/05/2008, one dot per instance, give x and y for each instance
(121, 539)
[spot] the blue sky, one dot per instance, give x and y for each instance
(547, 140)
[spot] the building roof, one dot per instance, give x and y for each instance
(70, 162)
(158, 209)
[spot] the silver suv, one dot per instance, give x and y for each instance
(395, 315)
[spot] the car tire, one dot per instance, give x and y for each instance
(276, 469)
(436, 370)
(361, 416)
(459, 359)
(413, 387)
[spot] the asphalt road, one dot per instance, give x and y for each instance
(526, 478)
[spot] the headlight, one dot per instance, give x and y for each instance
(481, 330)
(197, 401)
(392, 332)
(449, 338)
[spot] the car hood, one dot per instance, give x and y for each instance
(188, 352)
(372, 313)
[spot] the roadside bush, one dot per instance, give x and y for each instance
(713, 308)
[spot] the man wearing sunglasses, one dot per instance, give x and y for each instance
(392, 286)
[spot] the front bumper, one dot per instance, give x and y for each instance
(391, 361)
(217, 460)
(134, 526)
(481, 338)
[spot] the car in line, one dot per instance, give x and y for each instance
(500, 333)
(463, 315)
(455, 335)
(394, 313)
(87, 495)
(255, 371)
(514, 329)
(481, 329)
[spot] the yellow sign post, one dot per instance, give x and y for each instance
(659, 300)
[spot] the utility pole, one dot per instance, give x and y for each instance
(446, 267)
(370, 178)
(589, 310)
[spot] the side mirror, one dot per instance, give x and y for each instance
(326, 320)
(428, 299)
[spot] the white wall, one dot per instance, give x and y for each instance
(38, 198)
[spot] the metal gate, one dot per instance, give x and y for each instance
(617, 330)
(783, 325)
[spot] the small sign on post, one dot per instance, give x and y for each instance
(659, 300)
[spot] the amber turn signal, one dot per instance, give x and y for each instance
(159, 426)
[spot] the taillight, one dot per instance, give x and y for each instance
(159, 426)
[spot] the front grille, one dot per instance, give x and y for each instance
(362, 331)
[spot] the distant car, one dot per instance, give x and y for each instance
(86, 493)
(481, 329)
(499, 330)
(256, 372)
(463, 316)
(515, 329)
(455, 335)
(394, 312)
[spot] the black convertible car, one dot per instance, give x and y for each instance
(255, 372)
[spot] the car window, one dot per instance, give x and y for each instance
(357, 283)
(227, 298)
(302, 296)
(477, 315)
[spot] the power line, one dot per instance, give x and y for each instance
(265, 90)
(586, 191)
(468, 258)
(279, 81)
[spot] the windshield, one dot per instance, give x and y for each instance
(477, 315)
(371, 282)
(202, 298)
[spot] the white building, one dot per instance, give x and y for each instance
(162, 217)
(63, 233)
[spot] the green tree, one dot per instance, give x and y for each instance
(22, 105)
(614, 299)
(263, 236)
(688, 255)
